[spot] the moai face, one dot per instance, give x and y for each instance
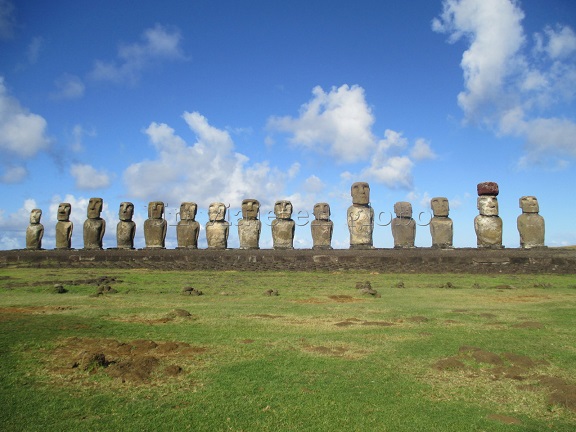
(64, 210)
(250, 208)
(283, 209)
(440, 206)
(322, 211)
(216, 212)
(155, 209)
(188, 211)
(94, 208)
(488, 205)
(35, 216)
(360, 192)
(529, 204)
(403, 209)
(126, 211)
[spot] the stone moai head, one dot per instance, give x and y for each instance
(94, 208)
(250, 208)
(64, 210)
(283, 209)
(440, 206)
(488, 205)
(322, 211)
(529, 204)
(35, 216)
(126, 211)
(360, 192)
(155, 209)
(216, 212)
(403, 209)
(188, 211)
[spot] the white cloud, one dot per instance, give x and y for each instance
(313, 184)
(422, 150)
(68, 87)
(207, 171)
(508, 86)
(88, 177)
(158, 43)
(21, 133)
(7, 20)
(14, 174)
(78, 133)
(33, 50)
(13, 226)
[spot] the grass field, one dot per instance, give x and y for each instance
(427, 353)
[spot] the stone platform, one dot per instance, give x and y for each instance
(419, 260)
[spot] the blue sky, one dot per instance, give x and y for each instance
(206, 101)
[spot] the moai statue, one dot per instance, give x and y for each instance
(283, 226)
(188, 229)
(249, 227)
(94, 226)
(35, 230)
(530, 224)
(322, 227)
(64, 227)
(441, 225)
(217, 228)
(360, 217)
(155, 226)
(403, 226)
(488, 224)
(126, 228)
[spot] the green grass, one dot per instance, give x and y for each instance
(320, 356)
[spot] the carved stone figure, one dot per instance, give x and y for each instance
(126, 228)
(441, 227)
(322, 227)
(35, 230)
(360, 216)
(188, 229)
(403, 226)
(283, 226)
(530, 223)
(64, 227)
(94, 226)
(488, 224)
(217, 228)
(249, 227)
(155, 226)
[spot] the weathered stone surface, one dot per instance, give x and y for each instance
(155, 226)
(530, 224)
(188, 229)
(64, 227)
(440, 206)
(403, 226)
(322, 227)
(488, 225)
(126, 228)
(283, 227)
(94, 226)
(487, 188)
(360, 217)
(249, 227)
(35, 230)
(217, 228)
(441, 226)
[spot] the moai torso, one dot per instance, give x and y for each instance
(283, 227)
(530, 224)
(360, 217)
(403, 226)
(488, 225)
(94, 226)
(441, 228)
(64, 227)
(126, 228)
(249, 227)
(188, 229)
(322, 227)
(155, 226)
(35, 230)
(217, 229)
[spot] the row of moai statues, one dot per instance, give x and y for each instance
(360, 220)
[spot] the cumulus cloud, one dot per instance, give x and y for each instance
(68, 87)
(158, 43)
(78, 133)
(87, 177)
(207, 170)
(13, 174)
(508, 85)
(22, 134)
(13, 226)
(7, 20)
